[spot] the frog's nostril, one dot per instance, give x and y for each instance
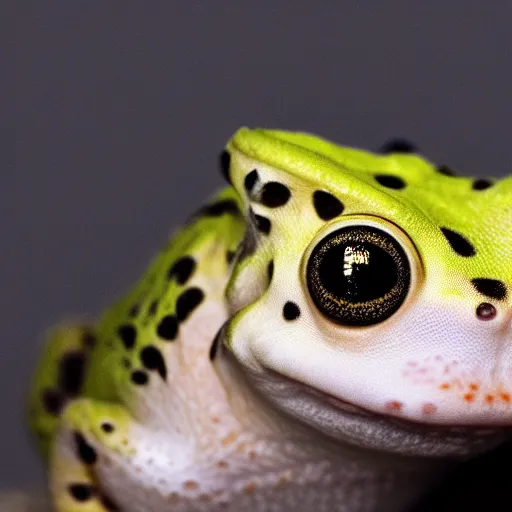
(486, 311)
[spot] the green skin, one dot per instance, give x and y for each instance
(230, 378)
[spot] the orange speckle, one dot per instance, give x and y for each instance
(394, 405)
(190, 485)
(250, 488)
(474, 387)
(215, 419)
(445, 385)
(229, 439)
(489, 399)
(505, 397)
(429, 408)
(242, 447)
(469, 397)
(222, 464)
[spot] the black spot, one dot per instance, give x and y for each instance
(491, 288)
(128, 335)
(270, 270)
(187, 302)
(250, 180)
(482, 184)
(447, 171)
(168, 328)
(85, 451)
(398, 145)
(230, 256)
(81, 492)
(53, 401)
(224, 163)
(107, 427)
(134, 311)
(215, 344)
(71, 372)
(389, 181)
(326, 205)
(152, 359)
(262, 224)
(219, 208)
(291, 311)
(153, 308)
(182, 269)
(274, 194)
(139, 377)
(126, 363)
(458, 243)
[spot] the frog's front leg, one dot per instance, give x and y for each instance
(92, 435)
(102, 459)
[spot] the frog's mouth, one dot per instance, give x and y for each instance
(379, 430)
(360, 427)
(417, 424)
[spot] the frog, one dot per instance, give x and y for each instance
(331, 331)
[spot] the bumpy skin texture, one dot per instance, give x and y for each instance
(252, 369)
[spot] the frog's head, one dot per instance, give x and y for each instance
(372, 289)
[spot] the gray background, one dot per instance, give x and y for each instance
(122, 108)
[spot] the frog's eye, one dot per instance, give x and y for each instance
(358, 275)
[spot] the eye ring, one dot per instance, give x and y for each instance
(358, 275)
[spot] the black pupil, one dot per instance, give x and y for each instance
(358, 275)
(358, 272)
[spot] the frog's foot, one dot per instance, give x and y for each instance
(90, 432)
(59, 378)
